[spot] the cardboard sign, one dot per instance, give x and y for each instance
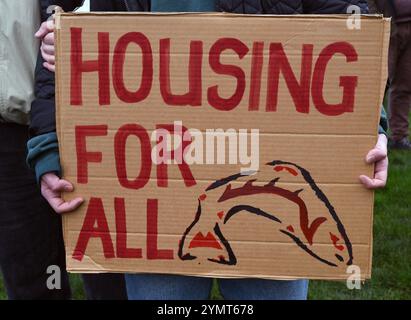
(219, 145)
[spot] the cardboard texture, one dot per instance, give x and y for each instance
(310, 85)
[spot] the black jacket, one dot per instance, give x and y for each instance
(43, 107)
(400, 10)
(245, 6)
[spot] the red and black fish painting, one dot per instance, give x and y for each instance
(233, 195)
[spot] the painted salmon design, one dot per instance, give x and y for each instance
(239, 194)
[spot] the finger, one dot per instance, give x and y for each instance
(57, 185)
(49, 66)
(375, 155)
(381, 171)
(372, 183)
(366, 181)
(50, 179)
(49, 39)
(47, 57)
(49, 49)
(61, 206)
(45, 28)
(42, 31)
(69, 206)
(62, 185)
(382, 141)
(55, 203)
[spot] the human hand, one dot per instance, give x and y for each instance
(51, 189)
(46, 35)
(379, 157)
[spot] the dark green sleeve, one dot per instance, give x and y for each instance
(43, 155)
(383, 129)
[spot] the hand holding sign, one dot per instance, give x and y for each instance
(378, 155)
(52, 188)
(314, 100)
(46, 35)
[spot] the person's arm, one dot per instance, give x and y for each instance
(43, 107)
(43, 154)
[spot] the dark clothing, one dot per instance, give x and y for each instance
(400, 80)
(105, 286)
(244, 6)
(183, 5)
(402, 10)
(31, 236)
(399, 10)
(372, 7)
(30, 232)
(42, 112)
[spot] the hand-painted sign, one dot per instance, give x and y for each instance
(219, 145)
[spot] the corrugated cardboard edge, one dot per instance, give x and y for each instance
(208, 275)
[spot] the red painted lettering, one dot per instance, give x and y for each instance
(194, 95)
(83, 156)
(348, 83)
(147, 66)
(214, 98)
(78, 67)
(120, 141)
(94, 216)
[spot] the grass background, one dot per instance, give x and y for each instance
(391, 277)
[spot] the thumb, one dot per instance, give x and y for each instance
(56, 184)
(50, 179)
(45, 28)
(62, 185)
(375, 155)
